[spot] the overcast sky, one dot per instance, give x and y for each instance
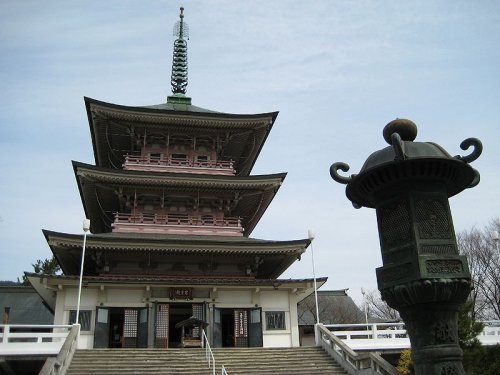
(337, 71)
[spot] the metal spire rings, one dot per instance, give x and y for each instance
(179, 79)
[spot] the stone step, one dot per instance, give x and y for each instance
(237, 361)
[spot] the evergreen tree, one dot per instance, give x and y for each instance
(44, 267)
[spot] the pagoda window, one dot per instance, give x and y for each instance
(202, 158)
(155, 156)
(204, 143)
(155, 140)
(275, 320)
(84, 319)
(180, 142)
(179, 156)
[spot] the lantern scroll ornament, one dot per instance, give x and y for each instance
(423, 276)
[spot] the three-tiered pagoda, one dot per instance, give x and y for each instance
(172, 205)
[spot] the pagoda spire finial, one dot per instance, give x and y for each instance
(179, 79)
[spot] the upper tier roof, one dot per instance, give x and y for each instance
(97, 186)
(113, 126)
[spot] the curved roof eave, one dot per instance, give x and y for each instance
(165, 240)
(162, 178)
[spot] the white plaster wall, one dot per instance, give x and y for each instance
(294, 320)
(276, 340)
(276, 301)
(230, 298)
(67, 299)
(124, 297)
(88, 298)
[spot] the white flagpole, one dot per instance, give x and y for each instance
(86, 227)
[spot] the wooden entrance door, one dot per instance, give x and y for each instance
(217, 328)
(237, 327)
(101, 333)
(121, 327)
(255, 328)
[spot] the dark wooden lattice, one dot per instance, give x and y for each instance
(130, 329)
(198, 313)
(161, 330)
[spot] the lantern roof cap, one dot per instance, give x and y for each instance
(400, 135)
(407, 161)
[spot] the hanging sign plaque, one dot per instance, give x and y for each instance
(181, 293)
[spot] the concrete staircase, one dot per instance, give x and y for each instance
(277, 361)
(248, 361)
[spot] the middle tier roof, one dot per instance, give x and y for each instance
(100, 190)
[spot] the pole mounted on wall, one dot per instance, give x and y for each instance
(86, 228)
(312, 236)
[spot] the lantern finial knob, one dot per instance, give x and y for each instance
(406, 129)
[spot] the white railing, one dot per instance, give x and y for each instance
(491, 333)
(60, 364)
(23, 339)
(223, 370)
(209, 355)
(352, 362)
(393, 336)
(376, 336)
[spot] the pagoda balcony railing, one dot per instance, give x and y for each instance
(177, 223)
(169, 164)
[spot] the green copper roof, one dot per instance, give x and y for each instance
(171, 105)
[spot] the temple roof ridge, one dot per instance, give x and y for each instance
(170, 107)
(163, 176)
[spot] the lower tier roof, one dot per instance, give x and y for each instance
(273, 257)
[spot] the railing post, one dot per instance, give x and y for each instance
(6, 332)
(374, 331)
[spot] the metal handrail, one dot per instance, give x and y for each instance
(223, 370)
(209, 355)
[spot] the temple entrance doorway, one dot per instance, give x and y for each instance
(237, 328)
(178, 313)
(168, 315)
(121, 327)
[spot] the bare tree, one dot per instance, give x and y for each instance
(379, 309)
(484, 262)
